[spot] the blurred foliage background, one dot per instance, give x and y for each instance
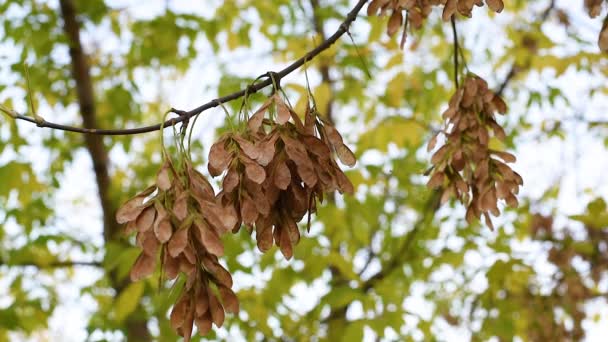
(388, 263)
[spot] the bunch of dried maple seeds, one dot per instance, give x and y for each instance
(416, 11)
(465, 166)
(275, 170)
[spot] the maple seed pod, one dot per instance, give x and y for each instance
(276, 169)
(181, 216)
(465, 167)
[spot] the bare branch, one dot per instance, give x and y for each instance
(52, 264)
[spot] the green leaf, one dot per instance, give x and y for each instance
(341, 296)
(127, 301)
(354, 331)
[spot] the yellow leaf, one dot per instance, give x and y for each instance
(395, 129)
(322, 95)
(395, 90)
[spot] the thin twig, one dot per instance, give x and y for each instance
(53, 264)
(456, 49)
(350, 18)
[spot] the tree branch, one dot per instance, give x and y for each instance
(53, 264)
(456, 49)
(91, 130)
(136, 326)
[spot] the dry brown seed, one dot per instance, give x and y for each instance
(219, 158)
(267, 149)
(282, 176)
(283, 114)
(499, 133)
(309, 119)
(211, 210)
(449, 9)
(449, 113)
(210, 239)
(263, 236)
(374, 6)
(133, 207)
(347, 157)
(447, 194)
(178, 313)
(231, 180)
(186, 267)
(189, 254)
(163, 230)
(201, 301)
(335, 138)
(415, 18)
(344, 184)
(251, 150)
(149, 243)
(507, 157)
(229, 217)
(216, 309)
(436, 180)
(163, 181)
(260, 200)
(512, 200)
(171, 266)
(249, 212)
(198, 183)
(180, 207)
(255, 122)
(500, 105)
(488, 221)
(143, 267)
(253, 171)
(394, 22)
(146, 219)
(470, 87)
(285, 243)
(296, 152)
(229, 299)
(214, 268)
(496, 5)
(292, 230)
(602, 40)
(178, 241)
(203, 323)
(440, 154)
(316, 146)
(186, 329)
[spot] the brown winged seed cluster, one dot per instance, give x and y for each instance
(418, 10)
(465, 166)
(180, 219)
(594, 8)
(273, 177)
(277, 170)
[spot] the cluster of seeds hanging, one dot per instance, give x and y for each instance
(277, 170)
(179, 221)
(465, 166)
(416, 11)
(594, 8)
